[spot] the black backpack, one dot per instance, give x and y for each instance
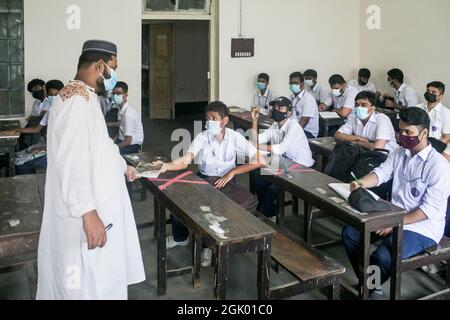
(367, 161)
(341, 160)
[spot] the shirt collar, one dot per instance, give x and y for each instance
(437, 108)
(124, 109)
(422, 154)
(372, 119)
(316, 87)
(299, 96)
(402, 87)
(285, 125)
(266, 93)
(212, 138)
(84, 84)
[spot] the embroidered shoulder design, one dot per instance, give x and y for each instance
(74, 89)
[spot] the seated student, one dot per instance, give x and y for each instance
(342, 97)
(264, 96)
(313, 87)
(305, 109)
(216, 150)
(131, 132)
(404, 97)
(420, 186)
(367, 128)
(287, 139)
(363, 83)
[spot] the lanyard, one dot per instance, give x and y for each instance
(405, 176)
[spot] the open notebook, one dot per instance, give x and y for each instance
(343, 189)
(329, 115)
(148, 170)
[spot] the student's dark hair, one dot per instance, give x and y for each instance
(367, 95)
(122, 85)
(364, 73)
(310, 73)
(219, 107)
(438, 85)
(54, 84)
(264, 76)
(88, 58)
(396, 74)
(297, 74)
(416, 117)
(35, 82)
(336, 79)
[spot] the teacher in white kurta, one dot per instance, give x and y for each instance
(85, 192)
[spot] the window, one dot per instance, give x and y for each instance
(11, 59)
(201, 6)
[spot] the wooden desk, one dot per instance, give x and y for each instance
(325, 124)
(243, 232)
(312, 187)
(322, 147)
(8, 145)
(21, 203)
(243, 118)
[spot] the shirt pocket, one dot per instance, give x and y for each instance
(415, 191)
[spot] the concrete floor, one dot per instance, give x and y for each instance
(242, 275)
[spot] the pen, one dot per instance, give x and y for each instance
(356, 179)
(108, 227)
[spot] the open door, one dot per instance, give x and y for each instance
(161, 71)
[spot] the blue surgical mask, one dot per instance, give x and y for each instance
(118, 99)
(213, 127)
(361, 113)
(51, 99)
(112, 81)
(295, 88)
(261, 86)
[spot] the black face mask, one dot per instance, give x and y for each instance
(363, 83)
(278, 116)
(431, 98)
(39, 94)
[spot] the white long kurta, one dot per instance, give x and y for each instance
(85, 172)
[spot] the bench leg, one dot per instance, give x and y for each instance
(221, 273)
(307, 216)
(364, 262)
(162, 254)
(396, 272)
(155, 218)
(334, 291)
(294, 205)
(447, 274)
(197, 249)
(281, 208)
(263, 283)
(30, 268)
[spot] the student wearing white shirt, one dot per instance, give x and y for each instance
(404, 97)
(131, 132)
(363, 82)
(342, 97)
(287, 139)
(314, 88)
(367, 128)
(420, 186)
(215, 151)
(264, 96)
(305, 109)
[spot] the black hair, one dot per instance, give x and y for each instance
(54, 84)
(396, 74)
(336, 79)
(219, 107)
(264, 76)
(438, 85)
(35, 82)
(364, 73)
(416, 117)
(367, 95)
(122, 85)
(89, 57)
(297, 75)
(310, 73)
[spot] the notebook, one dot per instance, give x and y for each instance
(148, 170)
(343, 189)
(329, 115)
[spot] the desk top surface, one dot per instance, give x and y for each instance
(327, 144)
(246, 116)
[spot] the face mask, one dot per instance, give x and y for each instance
(261, 86)
(431, 98)
(309, 83)
(111, 82)
(363, 83)
(51, 99)
(278, 116)
(118, 99)
(337, 92)
(295, 88)
(361, 113)
(409, 142)
(391, 84)
(39, 94)
(213, 127)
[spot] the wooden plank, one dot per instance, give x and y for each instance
(322, 146)
(243, 118)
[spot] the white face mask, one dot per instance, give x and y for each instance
(213, 127)
(337, 92)
(309, 83)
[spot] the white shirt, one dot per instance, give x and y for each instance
(40, 106)
(379, 127)
(217, 159)
(304, 105)
(130, 125)
(419, 182)
(370, 86)
(406, 96)
(347, 100)
(264, 100)
(288, 141)
(318, 92)
(440, 120)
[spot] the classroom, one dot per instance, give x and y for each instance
(224, 150)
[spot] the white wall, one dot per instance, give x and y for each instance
(413, 37)
(52, 50)
(290, 35)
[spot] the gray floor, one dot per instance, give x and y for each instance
(242, 275)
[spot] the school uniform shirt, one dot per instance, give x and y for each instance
(439, 118)
(263, 100)
(419, 181)
(40, 106)
(288, 141)
(217, 159)
(378, 127)
(406, 96)
(304, 105)
(370, 86)
(346, 100)
(130, 125)
(319, 93)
